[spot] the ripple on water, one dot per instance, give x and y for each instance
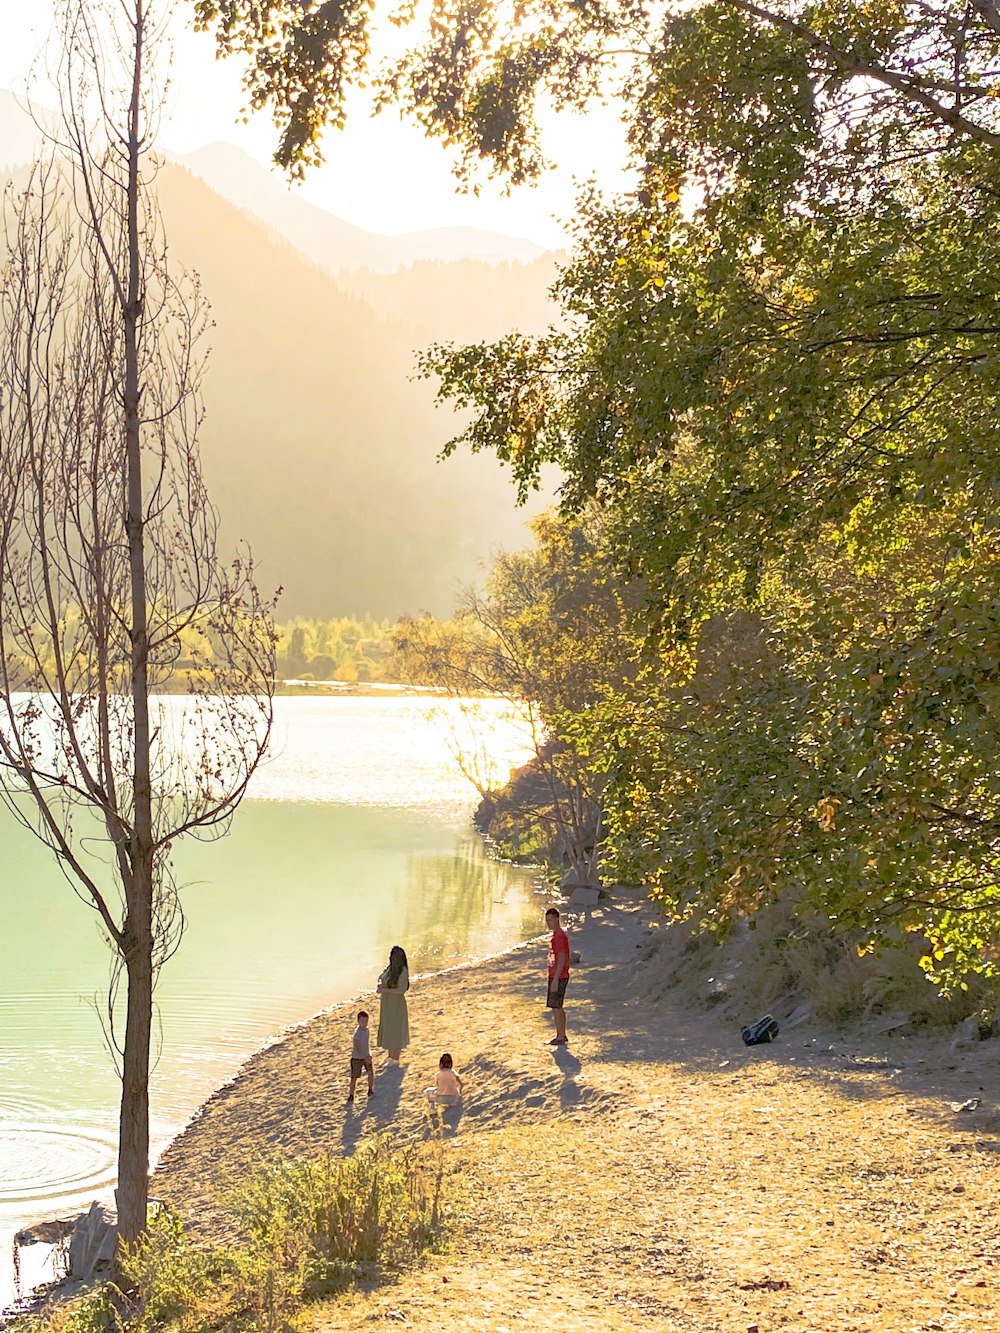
(46, 1162)
(220, 1023)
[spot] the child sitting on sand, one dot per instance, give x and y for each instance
(447, 1089)
(361, 1060)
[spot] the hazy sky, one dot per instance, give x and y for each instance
(380, 174)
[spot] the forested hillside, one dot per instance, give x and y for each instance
(450, 301)
(320, 448)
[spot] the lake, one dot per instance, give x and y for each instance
(356, 835)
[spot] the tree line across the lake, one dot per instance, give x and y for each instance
(343, 649)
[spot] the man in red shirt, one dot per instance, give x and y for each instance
(558, 975)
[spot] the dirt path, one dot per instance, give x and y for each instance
(655, 1173)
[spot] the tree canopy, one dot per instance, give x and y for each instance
(775, 374)
(747, 77)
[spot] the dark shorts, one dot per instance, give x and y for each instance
(358, 1067)
(556, 994)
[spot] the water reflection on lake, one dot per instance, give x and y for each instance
(358, 836)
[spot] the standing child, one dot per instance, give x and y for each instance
(558, 975)
(361, 1060)
(447, 1089)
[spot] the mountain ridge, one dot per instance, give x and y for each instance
(330, 240)
(327, 239)
(319, 448)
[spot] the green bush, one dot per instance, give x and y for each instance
(307, 1227)
(333, 1215)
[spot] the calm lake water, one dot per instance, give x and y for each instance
(356, 836)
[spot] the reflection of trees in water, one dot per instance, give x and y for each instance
(453, 896)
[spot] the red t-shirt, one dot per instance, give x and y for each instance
(559, 955)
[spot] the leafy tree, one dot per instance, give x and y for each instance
(553, 634)
(475, 75)
(299, 649)
(360, 649)
(841, 758)
(820, 319)
(775, 372)
(776, 389)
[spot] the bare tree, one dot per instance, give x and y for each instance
(549, 634)
(111, 586)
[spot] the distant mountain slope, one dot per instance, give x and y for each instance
(318, 446)
(462, 301)
(329, 240)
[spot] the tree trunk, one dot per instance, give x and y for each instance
(133, 1153)
(133, 1141)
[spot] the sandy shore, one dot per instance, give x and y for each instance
(655, 1173)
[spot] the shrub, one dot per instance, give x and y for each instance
(330, 1216)
(181, 1285)
(308, 1228)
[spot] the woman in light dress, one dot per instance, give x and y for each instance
(393, 1019)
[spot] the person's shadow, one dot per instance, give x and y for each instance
(445, 1120)
(567, 1061)
(569, 1066)
(367, 1116)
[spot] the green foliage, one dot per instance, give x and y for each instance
(553, 632)
(180, 1285)
(747, 81)
(344, 649)
(332, 1216)
(308, 1229)
(775, 374)
(787, 954)
(841, 739)
(304, 57)
(553, 627)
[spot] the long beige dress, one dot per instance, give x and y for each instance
(393, 1017)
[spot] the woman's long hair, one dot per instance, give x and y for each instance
(397, 961)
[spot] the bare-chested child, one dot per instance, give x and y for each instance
(447, 1089)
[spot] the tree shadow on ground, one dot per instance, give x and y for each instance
(918, 1067)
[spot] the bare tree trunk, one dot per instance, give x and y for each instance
(133, 1147)
(133, 1167)
(109, 564)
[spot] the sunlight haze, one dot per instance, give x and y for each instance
(380, 173)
